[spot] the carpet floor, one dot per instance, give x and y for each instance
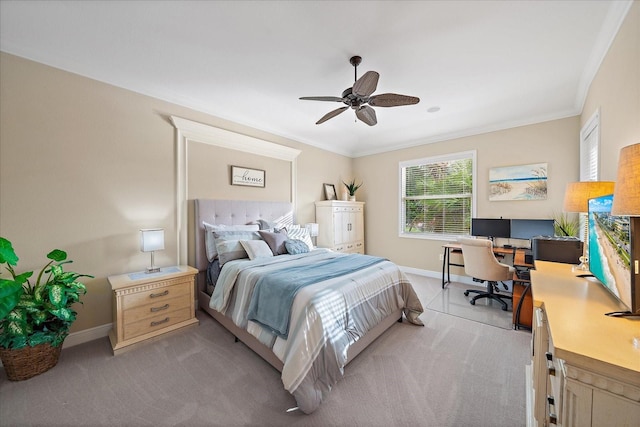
(451, 372)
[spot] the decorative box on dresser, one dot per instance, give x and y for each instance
(148, 305)
(340, 225)
(585, 369)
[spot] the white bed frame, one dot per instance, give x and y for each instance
(237, 212)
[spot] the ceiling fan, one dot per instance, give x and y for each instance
(358, 96)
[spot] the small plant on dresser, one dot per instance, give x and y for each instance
(35, 315)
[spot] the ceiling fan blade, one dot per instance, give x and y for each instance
(366, 84)
(367, 115)
(392, 100)
(331, 114)
(322, 98)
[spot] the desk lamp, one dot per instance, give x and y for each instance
(576, 199)
(151, 240)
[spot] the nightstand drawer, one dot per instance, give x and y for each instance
(155, 296)
(157, 322)
(155, 309)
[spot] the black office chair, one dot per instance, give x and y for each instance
(481, 263)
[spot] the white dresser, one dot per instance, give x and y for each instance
(340, 225)
(585, 370)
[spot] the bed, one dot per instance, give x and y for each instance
(314, 330)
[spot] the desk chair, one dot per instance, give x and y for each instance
(481, 263)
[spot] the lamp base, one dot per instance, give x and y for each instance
(152, 270)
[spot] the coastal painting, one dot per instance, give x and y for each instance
(524, 182)
(609, 248)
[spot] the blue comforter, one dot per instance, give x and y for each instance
(273, 294)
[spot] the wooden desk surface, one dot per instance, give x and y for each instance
(580, 331)
(518, 253)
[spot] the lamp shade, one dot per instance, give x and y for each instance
(151, 239)
(626, 198)
(577, 194)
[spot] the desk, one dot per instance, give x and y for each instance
(522, 301)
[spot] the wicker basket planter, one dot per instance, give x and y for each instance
(28, 362)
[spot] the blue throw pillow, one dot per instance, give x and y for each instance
(295, 247)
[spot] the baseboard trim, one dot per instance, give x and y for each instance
(87, 335)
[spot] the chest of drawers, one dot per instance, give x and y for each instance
(148, 305)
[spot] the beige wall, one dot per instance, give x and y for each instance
(85, 165)
(554, 142)
(615, 90)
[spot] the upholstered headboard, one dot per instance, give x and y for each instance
(232, 212)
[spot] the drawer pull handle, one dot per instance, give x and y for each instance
(164, 307)
(160, 322)
(161, 294)
(553, 418)
(550, 368)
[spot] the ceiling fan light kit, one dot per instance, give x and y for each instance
(358, 96)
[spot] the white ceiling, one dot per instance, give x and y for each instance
(488, 65)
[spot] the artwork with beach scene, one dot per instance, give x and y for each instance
(525, 182)
(609, 248)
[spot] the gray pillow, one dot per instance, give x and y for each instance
(295, 247)
(228, 244)
(275, 241)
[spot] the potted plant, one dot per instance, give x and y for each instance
(35, 317)
(352, 187)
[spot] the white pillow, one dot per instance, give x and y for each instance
(300, 234)
(256, 248)
(209, 239)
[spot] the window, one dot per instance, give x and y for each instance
(437, 196)
(590, 148)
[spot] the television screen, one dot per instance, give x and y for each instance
(528, 228)
(490, 227)
(610, 250)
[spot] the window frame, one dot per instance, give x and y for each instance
(470, 154)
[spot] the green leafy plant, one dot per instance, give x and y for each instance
(38, 312)
(352, 187)
(566, 225)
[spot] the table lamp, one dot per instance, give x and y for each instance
(576, 199)
(626, 197)
(312, 228)
(151, 240)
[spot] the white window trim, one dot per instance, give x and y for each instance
(586, 145)
(434, 159)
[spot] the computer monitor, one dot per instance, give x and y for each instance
(528, 228)
(491, 227)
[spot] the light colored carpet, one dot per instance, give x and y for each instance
(451, 372)
(451, 300)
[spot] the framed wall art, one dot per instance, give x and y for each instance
(524, 182)
(247, 176)
(330, 192)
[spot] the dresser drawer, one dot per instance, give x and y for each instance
(155, 296)
(156, 322)
(156, 308)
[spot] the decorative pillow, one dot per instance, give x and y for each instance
(256, 248)
(301, 234)
(275, 241)
(228, 244)
(295, 247)
(209, 240)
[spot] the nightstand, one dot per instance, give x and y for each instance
(146, 305)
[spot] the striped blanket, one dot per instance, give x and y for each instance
(326, 317)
